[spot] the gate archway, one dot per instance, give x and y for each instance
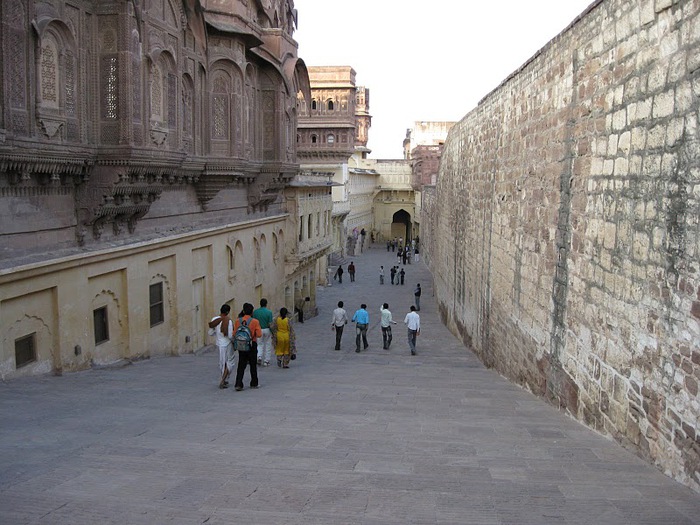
(401, 225)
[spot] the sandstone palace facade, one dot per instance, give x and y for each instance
(145, 149)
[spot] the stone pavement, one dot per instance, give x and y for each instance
(376, 438)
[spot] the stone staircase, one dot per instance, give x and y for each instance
(336, 259)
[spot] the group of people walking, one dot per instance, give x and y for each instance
(248, 341)
(361, 320)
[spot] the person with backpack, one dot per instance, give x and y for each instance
(245, 341)
(222, 328)
(283, 339)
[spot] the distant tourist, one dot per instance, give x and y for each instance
(412, 322)
(300, 306)
(381, 275)
(351, 271)
(284, 339)
(340, 319)
(339, 274)
(361, 320)
(416, 293)
(264, 317)
(402, 274)
(392, 273)
(247, 353)
(223, 330)
(386, 323)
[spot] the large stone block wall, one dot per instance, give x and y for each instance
(566, 247)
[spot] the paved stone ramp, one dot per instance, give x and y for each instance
(376, 438)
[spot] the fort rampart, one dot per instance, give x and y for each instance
(566, 246)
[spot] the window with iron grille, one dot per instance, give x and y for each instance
(155, 292)
(25, 350)
(100, 319)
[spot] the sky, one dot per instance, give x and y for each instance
(433, 63)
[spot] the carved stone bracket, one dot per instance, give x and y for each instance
(118, 196)
(51, 126)
(266, 188)
(214, 178)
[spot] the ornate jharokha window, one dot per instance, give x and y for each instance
(56, 84)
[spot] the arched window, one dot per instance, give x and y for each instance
(221, 89)
(156, 93)
(48, 72)
(314, 105)
(330, 105)
(187, 103)
(231, 259)
(314, 139)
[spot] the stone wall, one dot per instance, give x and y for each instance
(566, 246)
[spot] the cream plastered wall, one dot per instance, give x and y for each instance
(199, 271)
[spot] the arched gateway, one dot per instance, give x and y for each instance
(401, 225)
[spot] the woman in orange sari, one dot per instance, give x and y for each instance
(283, 338)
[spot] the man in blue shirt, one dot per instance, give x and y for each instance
(361, 320)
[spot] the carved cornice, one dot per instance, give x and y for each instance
(43, 174)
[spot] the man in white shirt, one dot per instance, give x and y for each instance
(412, 321)
(386, 323)
(340, 319)
(223, 329)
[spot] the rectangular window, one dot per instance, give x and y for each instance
(25, 351)
(155, 293)
(99, 317)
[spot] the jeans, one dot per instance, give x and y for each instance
(412, 335)
(352, 277)
(417, 302)
(246, 358)
(381, 279)
(386, 336)
(361, 330)
(338, 335)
